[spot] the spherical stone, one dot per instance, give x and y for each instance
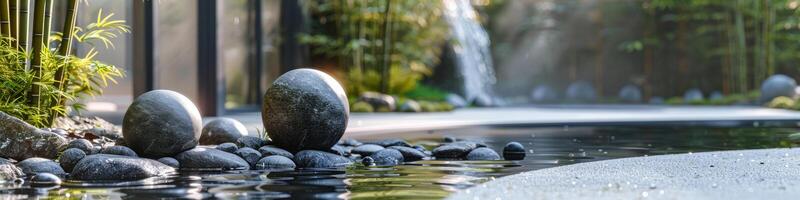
(305, 109)
(272, 150)
(119, 150)
(410, 106)
(380, 102)
(581, 91)
(409, 154)
(777, 85)
(275, 162)
(45, 180)
(83, 144)
(514, 151)
(32, 166)
(456, 100)
(169, 161)
(692, 95)
(228, 147)
(544, 94)
(250, 141)
(367, 149)
(630, 94)
(70, 157)
(387, 157)
(161, 123)
(249, 154)
(222, 130)
(483, 153)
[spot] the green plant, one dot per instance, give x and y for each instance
(385, 46)
(37, 83)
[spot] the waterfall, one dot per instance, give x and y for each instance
(472, 55)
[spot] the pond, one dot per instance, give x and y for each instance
(428, 179)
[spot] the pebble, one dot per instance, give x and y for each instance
(228, 147)
(45, 180)
(366, 149)
(273, 150)
(514, 151)
(119, 150)
(249, 154)
(387, 157)
(275, 162)
(70, 157)
(483, 153)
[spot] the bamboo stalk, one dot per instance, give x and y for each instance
(39, 45)
(386, 61)
(5, 20)
(64, 50)
(22, 38)
(13, 16)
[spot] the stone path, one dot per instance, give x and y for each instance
(746, 174)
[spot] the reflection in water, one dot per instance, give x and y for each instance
(427, 179)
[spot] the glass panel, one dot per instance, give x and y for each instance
(236, 46)
(176, 47)
(270, 22)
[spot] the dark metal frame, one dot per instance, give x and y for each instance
(144, 48)
(211, 79)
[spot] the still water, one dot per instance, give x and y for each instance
(429, 179)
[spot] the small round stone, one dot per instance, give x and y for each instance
(410, 106)
(380, 102)
(391, 142)
(249, 154)
(581, 91)
(45, 180)
(251, 142)
(483, 153)
(419, 148)
(455, 150)
(449, 139)
(275, 162)
(544, 94)
(630, 94)
(70, 157)
(409, 154)
(32, 166)
(228, 147)
(350, 142)
(222, 130)
(693, 95)
(514, 151)
(169, 161)
(83, 144)
(273, 150)
(161, 123)
(366, 149)
(305, 109)
(368, 161)
(119, 150)
(387, 157)
(320, 159)
(341, 150)
(777, 85)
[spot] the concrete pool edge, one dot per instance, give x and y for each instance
(740, 174)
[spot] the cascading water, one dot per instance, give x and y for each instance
(472, 55)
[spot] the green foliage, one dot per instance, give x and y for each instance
(428, 93)
(782, 102)
(86, 76)
(353, 35)
(361, 106)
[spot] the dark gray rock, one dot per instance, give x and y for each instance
(456, 100)
(391, 142)
(169, 161)
(514, 151)
(249, 154)
(777, 85)
(448, 139)
(89, 125)
(273, 150)
(368, 161)
(250, 141)
(409, 154)
(32, 166)
(419, 148)
(454, 150)
(380, 102)
(275, 162)
(544, 94)
(320, 159)
(341, 150)
(350, 142)
(9, 171)
(410, 106)
(222, 130)
(581, 91)
(228, 147)
(70, 157)
(20, 140)
(693, 94)
(387, 157)
(119, 150)
(45, 180)
(366, 149)
(118, 168)
(630, 94)
(305, 109)
(82, 144)
(161, 123)
(208, 159)
(483, 153)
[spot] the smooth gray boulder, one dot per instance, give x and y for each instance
(630, 94)
(456, 100)
(366, 149)
(249, 154)
(228, 147)
(455, 150)
(581, 91)
(380, 102)
(777, 85)
(209, 159)
(222, 130)
(70, 157)
(693, 94)
(32, 166)
(387, 157)
(118, 168)
(272, 150)
(275, 162)
(483, 153)
(45, 180)
(161, 123)
(20, 140)
(9, 171)
(169, 161)
(320, 159)
(409, 154)
(119, 150)
(83, 144)
(305, 109)
(544, 94)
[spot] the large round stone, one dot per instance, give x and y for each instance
(777, 85)
(222, 130)
(581, 91)
(305, 109)
(161, 123)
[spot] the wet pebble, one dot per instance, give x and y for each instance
(273, 150)
(208, 159)
(275, 162)
(222, 130)
(45, 180)
(387, 157)
(119, 150)
(514, 151)
(83, 144)
(249, 154)
(228, 147)
(32, 166)
(454, 150)
(391, 142)
(320, 159)
(169, 161)
(70, 157)
(250, 141)
(448, 139)
(483, 153)
(350, 142)
(409, 154)
(341, 150)
(366, 149)
(117, 168)
(368, 161)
